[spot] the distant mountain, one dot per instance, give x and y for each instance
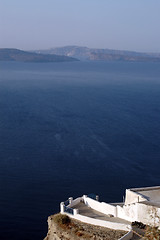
(91, 54)
(11, 54)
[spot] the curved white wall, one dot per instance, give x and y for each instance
(102, 207)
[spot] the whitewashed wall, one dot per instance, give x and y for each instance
(102, 223)
(140, 212)
(100, 206)
(133, 197)
(128, 212)
(148, 214)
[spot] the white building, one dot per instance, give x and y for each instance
(141, 205)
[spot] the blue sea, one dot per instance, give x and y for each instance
(68, 129)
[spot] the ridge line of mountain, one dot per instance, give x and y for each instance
(13, 54)
(97, 54)
(75, 53)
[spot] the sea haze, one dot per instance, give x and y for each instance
(68, 129)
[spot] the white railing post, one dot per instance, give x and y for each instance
(62, 207)
(70, 200)
(75, 211)
(84, 198)
(97, 198)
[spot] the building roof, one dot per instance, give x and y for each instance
(152, 194)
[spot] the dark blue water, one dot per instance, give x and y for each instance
(68, 129)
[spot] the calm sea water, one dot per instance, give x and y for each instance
(68, 129)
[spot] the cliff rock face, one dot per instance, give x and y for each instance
(76, 230)
(55, 232)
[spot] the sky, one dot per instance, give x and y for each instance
(114, 24)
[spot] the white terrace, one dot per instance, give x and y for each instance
(141, 204)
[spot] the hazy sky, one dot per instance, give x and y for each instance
(115, 24)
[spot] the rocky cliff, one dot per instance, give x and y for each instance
(61, 227)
